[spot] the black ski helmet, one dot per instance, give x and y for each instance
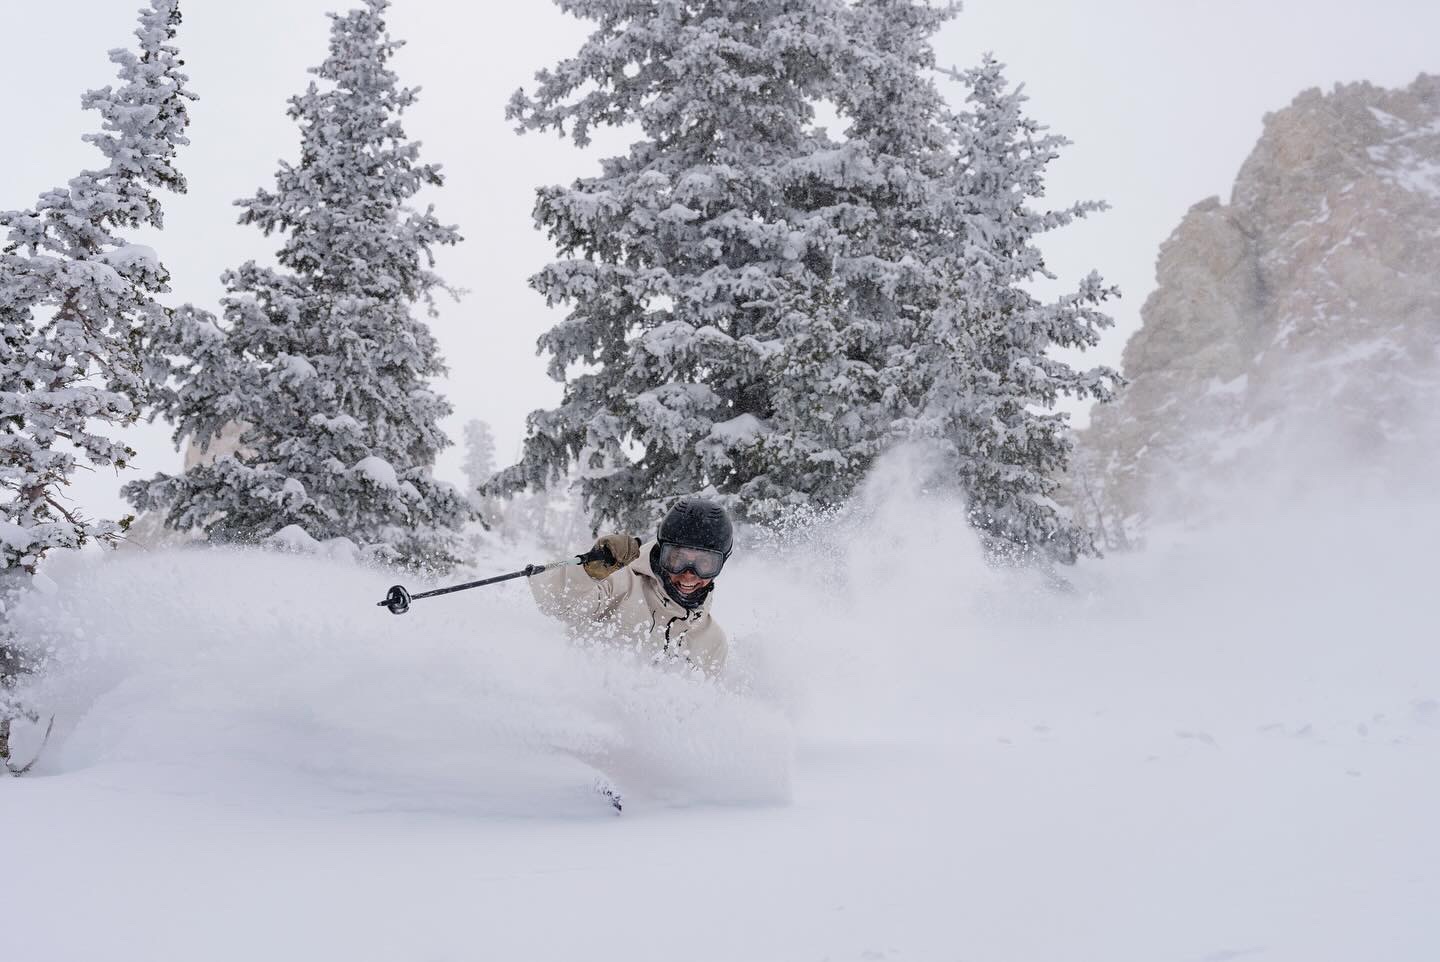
(698, 523)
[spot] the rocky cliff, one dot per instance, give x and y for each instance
(1292, 336)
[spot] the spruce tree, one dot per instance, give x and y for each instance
(479, 467)
(942, 272)
(321, 358)
(78, 316)
(982, 357)
(479, 456)
(759, 308)
(708, 345)
(77, 303)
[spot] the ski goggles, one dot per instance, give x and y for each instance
(676, 559)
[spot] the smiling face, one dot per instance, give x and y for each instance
(688, 582)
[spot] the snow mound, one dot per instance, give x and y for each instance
(278, 677)
(378, 471)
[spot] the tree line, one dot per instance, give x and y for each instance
(755, 306)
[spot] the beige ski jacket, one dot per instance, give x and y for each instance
(631, 607)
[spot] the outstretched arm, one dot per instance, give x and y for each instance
(581, 595)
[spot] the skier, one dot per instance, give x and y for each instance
(657, 595)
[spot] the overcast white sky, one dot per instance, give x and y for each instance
(1163, 99)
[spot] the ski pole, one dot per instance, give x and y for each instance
(397, 599)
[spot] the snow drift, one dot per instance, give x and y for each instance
(1219, 748)
(242, 666)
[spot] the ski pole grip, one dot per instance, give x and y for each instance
(601, 553)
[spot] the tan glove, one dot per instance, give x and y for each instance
(625, 549)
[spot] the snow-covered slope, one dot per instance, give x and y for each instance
(1203, 752)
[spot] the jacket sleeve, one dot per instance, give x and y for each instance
(570, 595)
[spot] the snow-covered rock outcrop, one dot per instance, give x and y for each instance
(1292, 337)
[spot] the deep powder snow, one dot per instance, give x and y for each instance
(1220, 748)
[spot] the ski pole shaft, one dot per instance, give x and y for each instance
(525, 572)
(398, 599)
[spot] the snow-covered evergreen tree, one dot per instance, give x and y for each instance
(758, 308)
(937, 275)
(479, 467)
(322, 358)
(979, 376)
(709, 346)
(77, 303)
(77, 313)
(479, 455)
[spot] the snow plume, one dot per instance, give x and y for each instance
(245, 672)
(885, 624)
(1221, 746)
(1322, 434)
(847, 610)
(878, 624)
